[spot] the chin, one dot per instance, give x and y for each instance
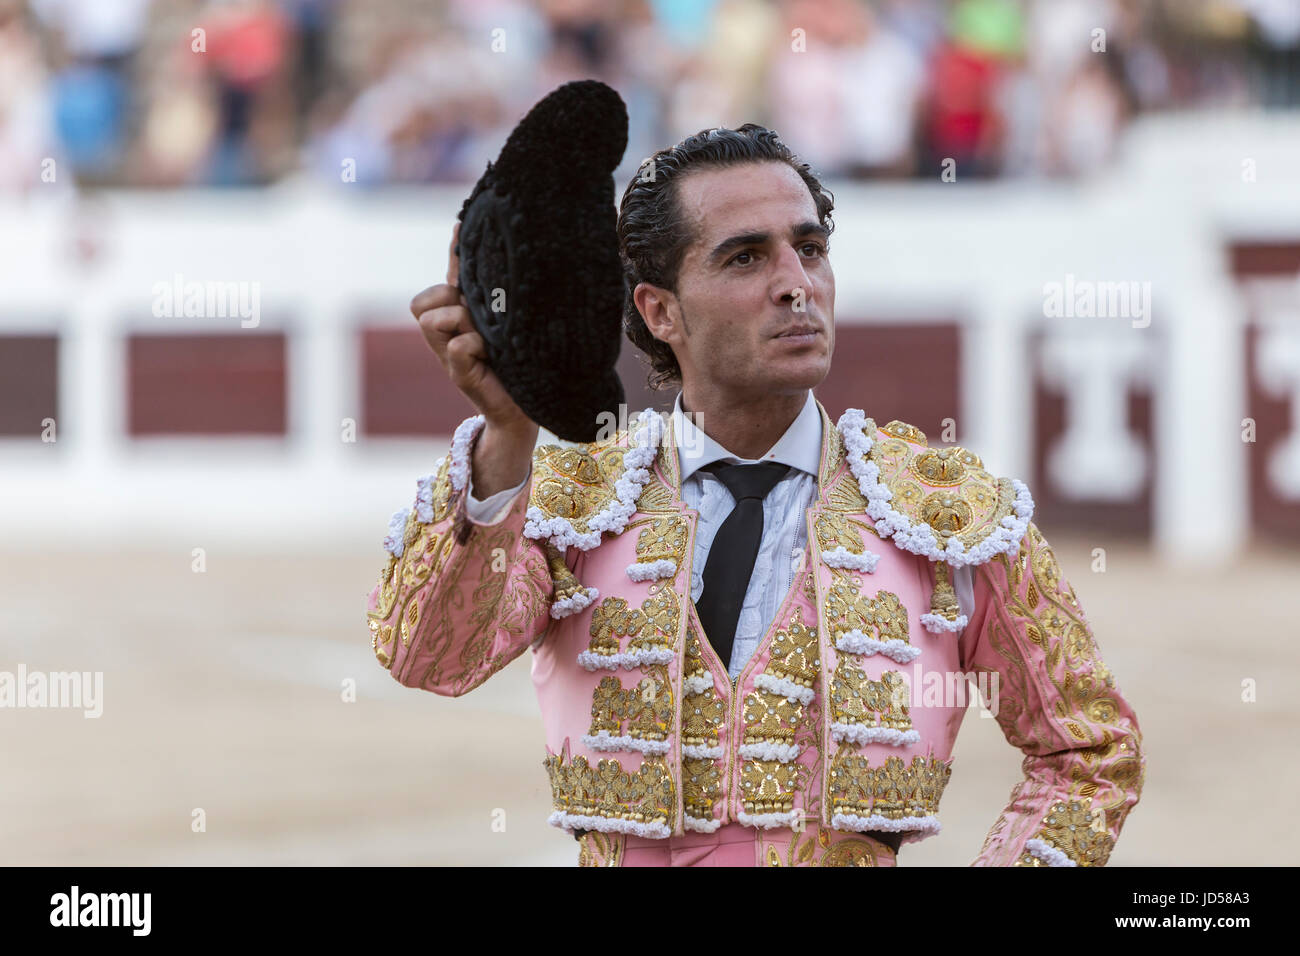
(796, 376)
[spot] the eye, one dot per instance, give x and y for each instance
(738, 255)
(821, 250)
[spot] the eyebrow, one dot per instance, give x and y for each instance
(731, 243)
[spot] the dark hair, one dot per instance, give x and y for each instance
(653, 235)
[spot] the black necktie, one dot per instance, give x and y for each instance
(731, 556)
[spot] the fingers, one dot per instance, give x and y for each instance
(434, 297)
(466, 355)
(453, 260)
(442, 325)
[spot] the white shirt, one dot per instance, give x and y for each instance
(785, 532)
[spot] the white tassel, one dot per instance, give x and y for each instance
(699, 824)
(855, 642)
(578, 821)
(863, 734)
(393, 542)
(574, 603)
(767, 750)
(603, 740)
(652, 570)
(1048, 853)
(938, 624)
(844, 558)
(795, 693)
(458, 471)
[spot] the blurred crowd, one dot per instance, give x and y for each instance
(161, 93)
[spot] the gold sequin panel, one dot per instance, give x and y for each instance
(856, 699)
(894, 789)
(646, 708)
(644, 795)
(1078, 830)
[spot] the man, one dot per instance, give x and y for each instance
(751, 628)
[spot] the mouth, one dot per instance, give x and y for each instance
(799, 334)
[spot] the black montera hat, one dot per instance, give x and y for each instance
(539, 263)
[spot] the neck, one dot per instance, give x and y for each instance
(747, 426)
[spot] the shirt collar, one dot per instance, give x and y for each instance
(800, 446)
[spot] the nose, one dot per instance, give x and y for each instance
(790, 278)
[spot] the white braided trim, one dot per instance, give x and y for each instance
(767, 750)
(842, 557)
(652, 570)
(578, 821)
(786, 688)
(393, 542)
(700, 752)
(938, 624)
(916, 826)
(863, 734)
(769, 821)
(458, 471)
(855, 642)
(920, 538)
(628, 659)
(424, 498)
(573, 604)
(1048, 853)
(699, 824)
(698, 684)
(603, 740)
(614, 516)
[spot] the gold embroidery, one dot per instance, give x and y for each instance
(846, 495)
(651, 627)
(702, 720)
(771, 718)
(410, 618)
(1078, 830)
(645, 795)
(387, 589)
(647, 707)
(943, 599)
(945, 488)
(442, 492)
(856, 699)
(853, 852)
(892, 790)
(837, 530)
(946, 513)
(793, 654)
(768, 786)
(662, 539)
(601, 849)
(944, 466)
(575, 482)
(883, 617)
(699, 786)
(905, 431)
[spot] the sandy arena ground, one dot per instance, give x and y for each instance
(223, 691)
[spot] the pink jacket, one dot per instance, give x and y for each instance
(848, 711)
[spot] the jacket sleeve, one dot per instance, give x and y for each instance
(458, 599)
(1058, 703)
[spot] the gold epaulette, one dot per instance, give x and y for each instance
(946, 489)
(574, 482)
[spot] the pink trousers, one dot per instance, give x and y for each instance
(737, 845)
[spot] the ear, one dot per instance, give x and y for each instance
(658, 307)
